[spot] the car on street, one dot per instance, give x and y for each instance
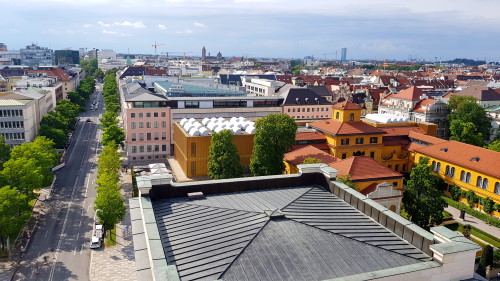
(88, 120)
(95, 242)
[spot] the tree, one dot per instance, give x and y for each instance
(465, 132)
(68, 109)
(113, 134)
(14, 212)
(109, 159)
(108, 119)
(98, 74)
(346, 179)
(58, 136)
(471, 198)
(77, 99)
(110, 206)
(468, 121)
(275, 134)
(4, 151)
(312, 160)
(55, 120)
(486, 259)
(422, 200)
(24, 174)
(488, 204)
(494, 146)
(223, 160)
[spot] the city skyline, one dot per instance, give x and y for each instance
(262, 28)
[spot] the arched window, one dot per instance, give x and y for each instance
(438, 167)
(462, 176)
(351, 117)
(447, 171)
(337, 115)
(452, 172)
(467, 177)
(479, 182)
(433, 165)
(485, 184)
(497, 188)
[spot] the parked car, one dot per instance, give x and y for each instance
(95, 242)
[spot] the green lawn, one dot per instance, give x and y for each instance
(477, 233)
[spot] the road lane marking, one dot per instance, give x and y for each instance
(77, 235)
(81, 250)
(74, 251)
(47, 233)
(88, 207)
(80, 225)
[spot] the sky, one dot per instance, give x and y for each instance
(382, 29)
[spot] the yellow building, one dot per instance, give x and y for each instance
(347, 135)
(192, 152)
(466, 166)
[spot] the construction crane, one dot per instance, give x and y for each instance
(325, 54)
(183, 53)
(156, 45)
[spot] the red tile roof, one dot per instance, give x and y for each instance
(465, 155)
(321, 146)
(401, 131)
(55, 72)
(347, 105)
(413, 93)
(423, 137)
(296, 157)
(335, 127)
(421, 105)
(369, 189)
(309, 136)
(364, 168)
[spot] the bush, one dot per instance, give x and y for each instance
(486, 256)
(447, 216)
(471, 198)
(487, 205)
(482, 216)
(456, 192)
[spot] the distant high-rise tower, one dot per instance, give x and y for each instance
(203, 53)
(343, 55)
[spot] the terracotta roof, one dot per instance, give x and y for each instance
(335, 127)
(364, 168)
(309, 136)
(423, 137)
(296, 157)
(55, 72)
(480, 93)
(465, 155)
(369, 189)
(422, 105)
(347, 105)
(401, 131)
(321, 146)
(413, 93)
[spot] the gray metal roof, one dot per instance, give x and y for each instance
(231, 237)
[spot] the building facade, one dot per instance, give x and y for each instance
(35, 56)
(66, 57)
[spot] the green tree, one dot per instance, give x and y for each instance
(14, 212)
(43, 152)
(486, 258)
(465, 132)
(495, 145)
(56, 120)
(98, 74)
(58, 136)
(77, 99)
(4, 151)
(68, 109)
(471, 198)
(312, 160)
(275, 134)
(109, 159)
(468, 121)
(89, 66)
(24, 174)
(224, 161)
(108, 119)
(114, 134)
(110, 206)
(346, 179)
(488, 204)
(422, 200)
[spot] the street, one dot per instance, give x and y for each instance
(59, 247)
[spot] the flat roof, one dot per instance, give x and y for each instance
(187, 89)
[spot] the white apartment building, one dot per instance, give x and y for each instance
(261, 87)
(18, 121)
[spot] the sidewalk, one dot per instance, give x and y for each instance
(495, 231)
(117, 262)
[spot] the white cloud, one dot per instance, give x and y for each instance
(104, 31)
(161, 26)
(137, 24)
(185, 31)
(87, 25)
(103, 24)
(199, 24)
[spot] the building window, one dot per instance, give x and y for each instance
(462, 176)
(193, 168)
(148, 124)
(134, 149)
(157, 136)
(396, 167)
(141, 125)
(163, 114)
(149, 148)
(479, 182)
(132, 115)
(497, 188)
(374, 140)
(156, 124)
(433, 165)
(395, 183)
(447, 171)
(141, 148)
(467, 178)
(344, 155)
(132, 125)
(148, 136)
(438, 167)
(337, 115)
(359, 140)
(163, 124)
(193, 149)
(163, 135)
(351, 117)
(163, 147)
(404, 168)
(141, 136)
(157, 148)
(372, 154)
(344, 141)
(141, 115)
(485, 184)
(148, 114)
(155, 114)
(452, 172)
(192, 104)
(134, 136)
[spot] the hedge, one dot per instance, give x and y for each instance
(480, 215)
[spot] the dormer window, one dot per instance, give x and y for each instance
(297, 101)
(475, 159)
(444, 149)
